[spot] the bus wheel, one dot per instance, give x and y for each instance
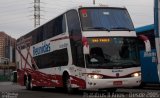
(28, 83)
(67, 84)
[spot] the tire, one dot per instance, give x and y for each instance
(67, 84)
(28, 83)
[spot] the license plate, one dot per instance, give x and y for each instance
(117, 83)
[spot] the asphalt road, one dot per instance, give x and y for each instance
(12, 90)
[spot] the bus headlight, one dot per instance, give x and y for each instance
(137, 74)
(95, 76)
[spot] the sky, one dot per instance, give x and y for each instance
(16, 16)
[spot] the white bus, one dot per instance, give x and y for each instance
(85, 48)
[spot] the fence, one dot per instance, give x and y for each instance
(5, 74)
(5, 71)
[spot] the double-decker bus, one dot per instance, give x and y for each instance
(151, 60)
(149, 67)
(84, 48)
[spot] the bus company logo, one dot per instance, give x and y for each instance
(115, 71)
(44, 48)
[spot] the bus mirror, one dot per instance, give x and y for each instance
(146, 42)
(85, 45)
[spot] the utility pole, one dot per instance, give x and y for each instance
(37, 14)
(94, 2)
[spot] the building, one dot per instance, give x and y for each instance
(7, 49)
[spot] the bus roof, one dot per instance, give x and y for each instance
(145, 28)
(76, 8)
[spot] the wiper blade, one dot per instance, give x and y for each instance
(125, 63)
(121, 28)
(98, 28)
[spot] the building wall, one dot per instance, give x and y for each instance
(2, 44)
(7, 46)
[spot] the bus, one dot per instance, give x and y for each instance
(87, 47)
(149, 67)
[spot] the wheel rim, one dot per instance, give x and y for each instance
(68, 85)
(28, 84)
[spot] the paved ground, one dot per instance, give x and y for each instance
(11, 90)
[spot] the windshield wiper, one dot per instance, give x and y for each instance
(120, 28)
(126, 63)
(98, 28)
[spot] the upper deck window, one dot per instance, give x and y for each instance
(109, 19)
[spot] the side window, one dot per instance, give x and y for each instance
(59, 25)
(141, 44)
(38, 35)
(73, 23)
(48, 30)
(34, 36)
(75, 38)
(151, 37)
(52, 59)
(51, 29)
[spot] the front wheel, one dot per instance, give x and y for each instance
(67, 84)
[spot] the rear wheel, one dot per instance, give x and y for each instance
(29, 86)
(28, 83)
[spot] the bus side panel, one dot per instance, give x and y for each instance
(149, 67)
(39, 78)
(43, 79)
(20, 78)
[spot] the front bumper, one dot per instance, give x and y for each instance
(113, 83)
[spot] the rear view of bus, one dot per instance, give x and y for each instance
(110, 48)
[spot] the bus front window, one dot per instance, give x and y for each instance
(105, 19)
(112, 53)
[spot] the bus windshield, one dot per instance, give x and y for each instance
(105, 19)
(112, 52)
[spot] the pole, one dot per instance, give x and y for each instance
(156, 25)
(36, 13)
(94, 2)
(157, 31)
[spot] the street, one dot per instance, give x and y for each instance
(12, 90)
